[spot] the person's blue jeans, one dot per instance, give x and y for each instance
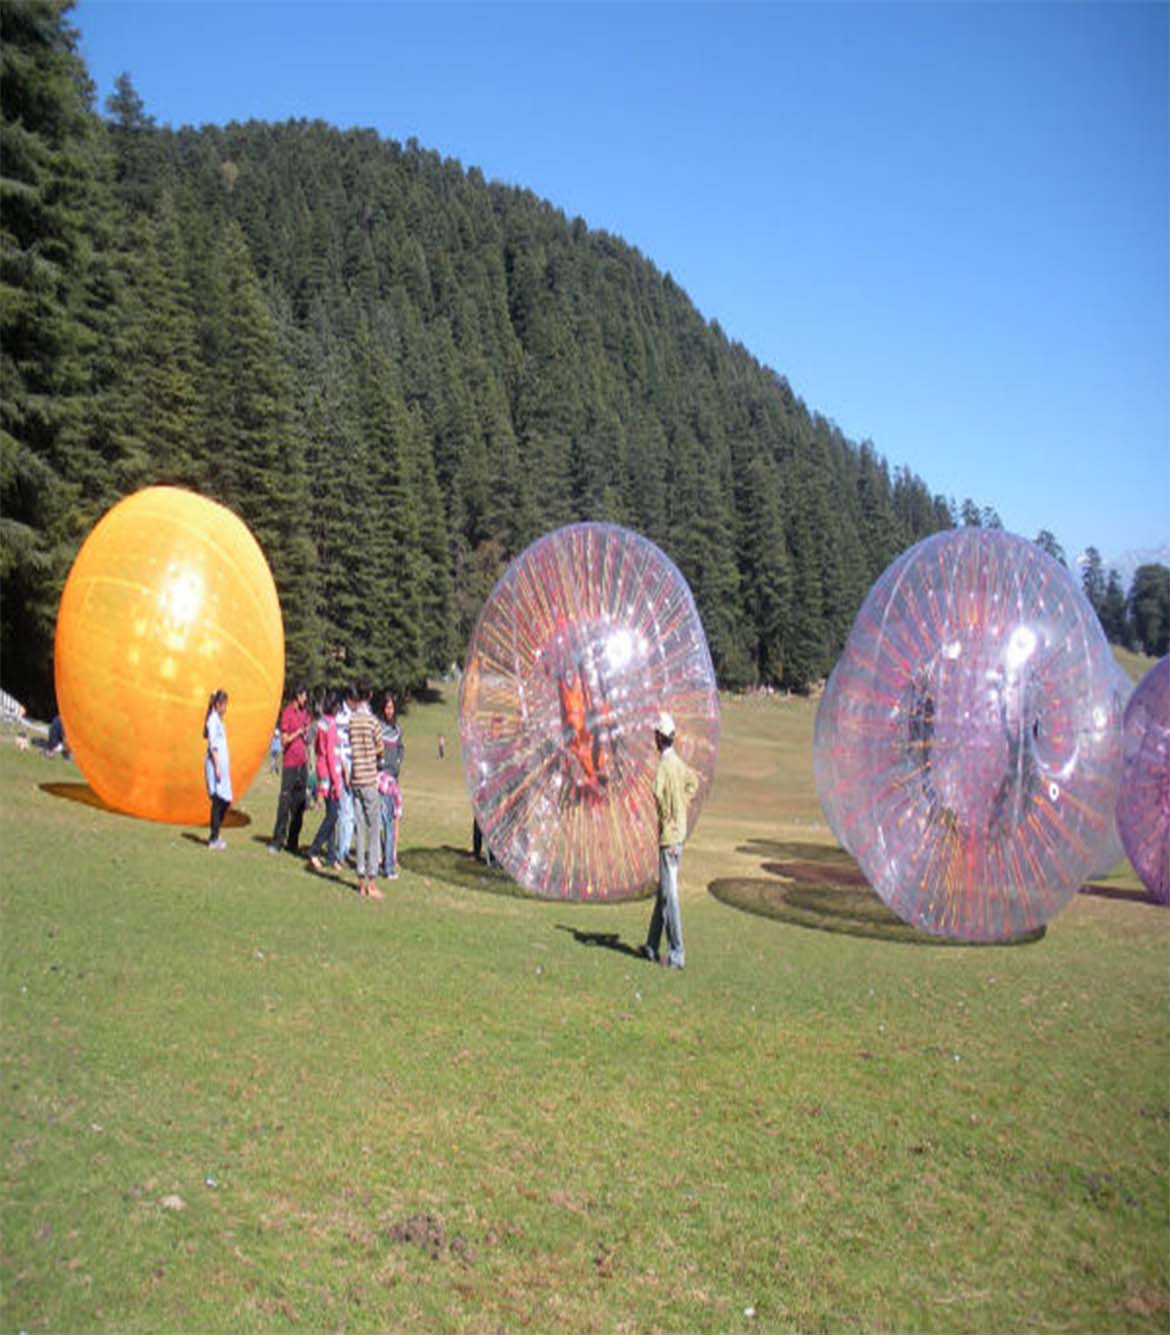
(323, 840)
(666, 911)
(389, 842)
(344, 837)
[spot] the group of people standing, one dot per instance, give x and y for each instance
(344, 754)
(357, 761)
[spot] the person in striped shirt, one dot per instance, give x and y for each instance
(365, 745)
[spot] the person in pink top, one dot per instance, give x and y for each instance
(329, 781)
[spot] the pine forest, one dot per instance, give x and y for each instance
(398, 374)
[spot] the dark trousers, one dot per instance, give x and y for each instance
(219, 806)
(323, 841)
(290, 809)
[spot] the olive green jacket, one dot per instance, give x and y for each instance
(674, 785)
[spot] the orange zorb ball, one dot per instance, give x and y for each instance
(169, 599)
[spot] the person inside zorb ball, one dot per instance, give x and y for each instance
(587, 636)
(972, 752)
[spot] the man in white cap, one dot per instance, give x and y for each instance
(674, 785)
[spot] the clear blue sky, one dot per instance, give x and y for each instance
(947, 225)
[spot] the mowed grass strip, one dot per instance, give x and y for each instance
(238, 1098)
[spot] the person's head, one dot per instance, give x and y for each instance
(217, 701)
(362, 692)
(663, 730)
(330, 702)
(389, 709)
(300, 693)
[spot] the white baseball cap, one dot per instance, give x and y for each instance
(664, 724)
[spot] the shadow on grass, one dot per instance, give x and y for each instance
(607, 940)
(822, 888)
(1121, 893)
(85, 795)
(460, 867)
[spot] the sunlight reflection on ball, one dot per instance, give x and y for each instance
(170, 598)
(975, 750)
(587, 635)
(1143, 807)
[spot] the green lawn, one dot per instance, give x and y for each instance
(237, 1098)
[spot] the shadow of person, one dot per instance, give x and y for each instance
(607, 940)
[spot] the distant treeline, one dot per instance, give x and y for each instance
(398, 374)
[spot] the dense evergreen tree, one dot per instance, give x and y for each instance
(56, 299)
(1093, 579)
(1149, 609)
(1114, 615)
(1047, 542)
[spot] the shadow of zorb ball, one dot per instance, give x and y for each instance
(975, 753)
(1143, 806)
(587, 636)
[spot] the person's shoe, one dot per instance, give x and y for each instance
(315, 862)
(670, 964)
(220, 846)
(392, 875)
(648, 953)
(274, 848)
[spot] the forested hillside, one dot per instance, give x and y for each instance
(398, 374)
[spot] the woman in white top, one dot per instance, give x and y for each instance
(217, 767)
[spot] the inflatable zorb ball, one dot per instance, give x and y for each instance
(975, 751)
(1143, 805)
(824, 772)
(587, 636)
(169, 599)
(1111, 851)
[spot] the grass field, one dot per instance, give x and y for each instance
(237, 1098)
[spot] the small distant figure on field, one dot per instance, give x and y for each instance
(217, 766)
(365, 745)
(290, 807)
(675, 783)
(329, 781)
(389, 768)
(274, 752)
(442, 746)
